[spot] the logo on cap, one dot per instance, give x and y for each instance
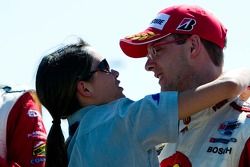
(187, 24)
(160, 21)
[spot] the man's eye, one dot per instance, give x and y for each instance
(157, 50)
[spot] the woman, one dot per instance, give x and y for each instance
(105, 128)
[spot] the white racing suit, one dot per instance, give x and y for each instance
(217, 137)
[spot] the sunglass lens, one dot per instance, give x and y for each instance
(104, 66)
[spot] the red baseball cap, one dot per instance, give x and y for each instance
(180, 19)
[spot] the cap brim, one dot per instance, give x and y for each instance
(132, 50)
(136, 46)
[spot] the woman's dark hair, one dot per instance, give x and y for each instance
(215, 52)
(56, 80)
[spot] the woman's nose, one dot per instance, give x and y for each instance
(114, 73)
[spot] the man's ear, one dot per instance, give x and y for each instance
(195, 45)
(83, 88)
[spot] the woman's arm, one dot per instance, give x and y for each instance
(228, 85)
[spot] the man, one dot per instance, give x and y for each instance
(22, 132)
(184, 46)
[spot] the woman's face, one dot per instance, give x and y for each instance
(104, 83)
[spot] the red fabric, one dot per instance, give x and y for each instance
(4, 163)
(26, 135)
(178, 159)
(245, 155)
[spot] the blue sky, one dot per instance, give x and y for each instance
(29, 28)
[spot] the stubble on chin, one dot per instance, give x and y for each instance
(166, 88)
(171, 88)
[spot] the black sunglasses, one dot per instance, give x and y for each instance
(103, 66)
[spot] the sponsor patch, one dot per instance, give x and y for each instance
(221, 140)
(219, 150)
(228, 127)
(160, 21)
(33, 113)
(37, 134)
(187, 24)
(39, 149)
(38, 160)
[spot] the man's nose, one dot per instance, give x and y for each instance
(149, 65)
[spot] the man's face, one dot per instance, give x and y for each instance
(170, 64)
